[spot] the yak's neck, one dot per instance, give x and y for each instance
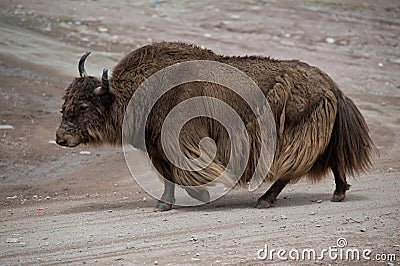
(123, 121)
(115, 121)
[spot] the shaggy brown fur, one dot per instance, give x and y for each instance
(318, 127)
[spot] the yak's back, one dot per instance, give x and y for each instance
(291, 86)
(149, 59)
(306, 88)
(305, 85)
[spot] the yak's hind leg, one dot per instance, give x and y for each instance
(168, 197)
(341, 185)
(268, 199)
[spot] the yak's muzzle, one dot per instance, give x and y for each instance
(66, 140)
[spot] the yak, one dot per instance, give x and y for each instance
(318, 128)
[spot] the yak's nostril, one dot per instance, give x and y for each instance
(61, 142)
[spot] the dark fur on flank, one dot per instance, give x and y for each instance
(318, 127)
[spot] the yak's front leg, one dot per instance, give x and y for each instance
(168, 197)
(200, 194)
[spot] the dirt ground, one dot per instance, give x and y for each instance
(60, 205)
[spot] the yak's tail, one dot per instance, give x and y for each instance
(350, 148)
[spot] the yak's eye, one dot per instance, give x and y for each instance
(83, 106)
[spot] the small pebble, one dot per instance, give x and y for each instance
(363, 230)
(21, 244)
(380, 65)
(84, 152)
(330, 40)
(102, 29)
(12, 240)
(318, 201)
(130, 246)
(283, 217)
(6, 127)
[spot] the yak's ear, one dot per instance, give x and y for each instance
(105, 86)
(107, 99)
(100, 91)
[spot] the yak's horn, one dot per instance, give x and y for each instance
(105, 86)
(104, 80)
(81, 65)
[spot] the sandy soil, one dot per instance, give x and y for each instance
(61, 206)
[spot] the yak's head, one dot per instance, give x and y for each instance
(85, 110)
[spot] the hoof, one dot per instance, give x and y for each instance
(162, 207)
(338, 197)
(263, 204)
